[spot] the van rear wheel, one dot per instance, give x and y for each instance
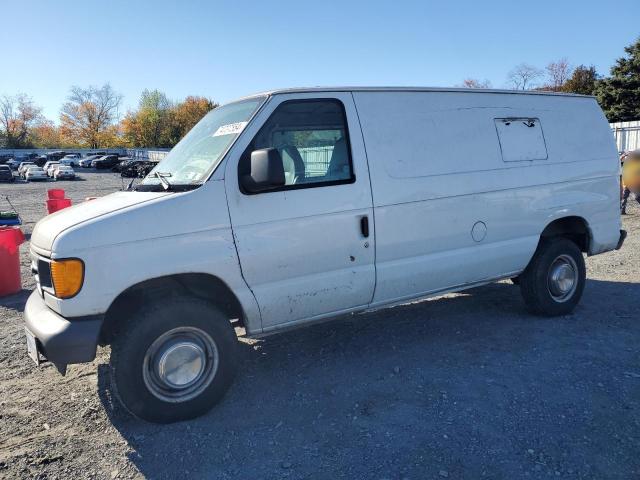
(553, 282)
(173, 361)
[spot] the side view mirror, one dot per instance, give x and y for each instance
(267, 171)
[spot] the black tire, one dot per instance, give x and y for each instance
(134, 381)
(536, 282)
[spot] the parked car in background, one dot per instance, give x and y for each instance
(107, 161)
(49, 167)
(86, 161)
(22, 168)
(55, 156)
(64, 172)
(71, 160)
(6, 175)
(136, 168)
(26, 157)
(35, 173)
(124, 161)
(4, 158)
(13, 163)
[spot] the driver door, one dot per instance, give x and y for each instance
(306, 249)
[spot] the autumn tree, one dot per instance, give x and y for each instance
(88, 115)
(159, 122)
(583, 81)
(46, 135)
(475, 83)
(524, 76)
(130, 128)
(558, 73)
(189, 112)
(18, 114)
(619, 95)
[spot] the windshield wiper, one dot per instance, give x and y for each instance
(162, 177)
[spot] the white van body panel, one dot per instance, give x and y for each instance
(166, 235)
(437, 170)
(301, 251)
(51, 226)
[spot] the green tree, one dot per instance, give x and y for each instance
(619, 95)
(151, 124)
(582, 81)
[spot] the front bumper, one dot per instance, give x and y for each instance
(60, 340)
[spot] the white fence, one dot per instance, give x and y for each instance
(141, 153)
(22, 152)
(146, 154)
(627, 135)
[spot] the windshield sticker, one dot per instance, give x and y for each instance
(229, 129)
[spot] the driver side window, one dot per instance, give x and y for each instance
(312, 139)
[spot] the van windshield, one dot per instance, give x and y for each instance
(194, 157)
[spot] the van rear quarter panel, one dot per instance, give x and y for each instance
(437, 170)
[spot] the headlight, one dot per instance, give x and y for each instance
(67, 277)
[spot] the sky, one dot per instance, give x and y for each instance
(228, 49)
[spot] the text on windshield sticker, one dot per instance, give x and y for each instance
(229, 129)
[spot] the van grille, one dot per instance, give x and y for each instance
(44, 273)
(41, 269)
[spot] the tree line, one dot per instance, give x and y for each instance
(618, 94)
(557, 76)
(91, 118)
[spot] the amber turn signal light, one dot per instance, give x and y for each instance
(67, 276)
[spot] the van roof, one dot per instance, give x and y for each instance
(411, 89)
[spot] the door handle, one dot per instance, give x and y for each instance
(364, 226)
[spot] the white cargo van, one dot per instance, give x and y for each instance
(298, 205)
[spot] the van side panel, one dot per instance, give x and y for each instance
(450, 209)
(171, 235)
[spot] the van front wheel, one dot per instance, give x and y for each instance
(173, 361)
(553, 282)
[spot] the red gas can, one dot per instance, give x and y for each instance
(57, 193)
(55, 204)
(10, 240)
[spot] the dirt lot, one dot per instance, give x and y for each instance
(463, 386)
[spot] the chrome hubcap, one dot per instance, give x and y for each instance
(180, 364)
(562, 279)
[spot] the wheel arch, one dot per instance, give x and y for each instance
(573, 227)
(200, 285)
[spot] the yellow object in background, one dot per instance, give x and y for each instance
(631, 173)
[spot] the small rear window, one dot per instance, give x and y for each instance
(521, 139)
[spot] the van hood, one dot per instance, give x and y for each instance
(47, 229)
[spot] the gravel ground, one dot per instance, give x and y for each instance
(463, 386)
